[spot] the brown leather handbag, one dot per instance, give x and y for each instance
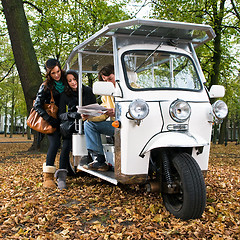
(37, 123)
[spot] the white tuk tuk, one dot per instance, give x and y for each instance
(163, 109)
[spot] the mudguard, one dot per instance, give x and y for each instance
(173, 139)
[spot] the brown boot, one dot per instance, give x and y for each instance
(48, 174)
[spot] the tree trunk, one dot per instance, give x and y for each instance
(40, 142)
(12, 111)
(223, 130)
(217, 53)
(43, 146)
(23, 51)
(238, 133)
(215, 134)
(23, 126)
(231, 129)
(6, 118)
(237, 129)
(234, 129)
(216, 60)
(29, 133)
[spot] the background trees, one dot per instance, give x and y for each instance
(220, 57)
(56, 27)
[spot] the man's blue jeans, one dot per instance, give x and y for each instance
(93, 131)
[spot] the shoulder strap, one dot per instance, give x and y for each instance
(52, 99)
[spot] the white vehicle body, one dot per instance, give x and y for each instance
(159, 59)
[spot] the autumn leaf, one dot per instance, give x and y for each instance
(94, 209)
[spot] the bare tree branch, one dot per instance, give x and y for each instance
(235, 9)
(32, 5)
(233, 27)
(211, 49)
(144, 4)
(10, 69)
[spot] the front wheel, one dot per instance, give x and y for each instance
(190, 200)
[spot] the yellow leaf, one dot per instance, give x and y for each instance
(152, 209)
(39, 184)
(153, 235)
(158, 218)
(21, 231)
(211, 209)
(128, 211)
(64, 232)
(48, 216)
(96, 222)
(41, 220)
(223, 184)
(97, 226)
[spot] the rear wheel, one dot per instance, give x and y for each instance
(190, 200)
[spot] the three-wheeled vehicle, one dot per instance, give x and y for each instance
(162, 108)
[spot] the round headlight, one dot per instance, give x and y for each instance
(220, 109)
(180, 111)
(138, 109)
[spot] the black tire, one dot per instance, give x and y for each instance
(72, 170)
(190, 202)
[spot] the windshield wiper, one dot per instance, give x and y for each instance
(148, 57)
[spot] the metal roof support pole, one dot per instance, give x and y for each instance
(67, 66)
(171, 71)
(202, 77)
(80, 130)
(115, 58)
(153, 77)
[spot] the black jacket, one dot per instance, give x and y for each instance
(44, 96)
(72, 101)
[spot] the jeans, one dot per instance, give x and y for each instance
(64, 157)
(93, 131)
(54, 144)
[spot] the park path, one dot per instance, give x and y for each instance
(16, 138)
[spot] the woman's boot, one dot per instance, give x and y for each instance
(48, 175)
(61, 175)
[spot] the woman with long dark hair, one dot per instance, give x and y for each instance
(68, 112)
(53, 83)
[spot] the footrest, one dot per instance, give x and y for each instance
(108, 176)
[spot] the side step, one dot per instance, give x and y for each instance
(108, 176)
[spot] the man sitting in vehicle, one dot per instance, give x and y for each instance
(95, 126)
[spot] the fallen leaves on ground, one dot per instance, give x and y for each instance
(94, 209)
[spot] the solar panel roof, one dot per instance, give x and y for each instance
(99, 47)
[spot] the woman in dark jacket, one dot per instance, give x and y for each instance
(69, 100)
(54, 83)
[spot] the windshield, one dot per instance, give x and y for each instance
(158, 69)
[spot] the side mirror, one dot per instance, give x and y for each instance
(217, 91)
(106, 89)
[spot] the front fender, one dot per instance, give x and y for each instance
(173, 139)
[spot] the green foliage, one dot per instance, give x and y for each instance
(223, 16)
(58, 26)
(8, 72)
(179, 10)
(9, 88)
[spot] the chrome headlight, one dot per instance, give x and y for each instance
(180, 110)
(220, 109)
(138, 109)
